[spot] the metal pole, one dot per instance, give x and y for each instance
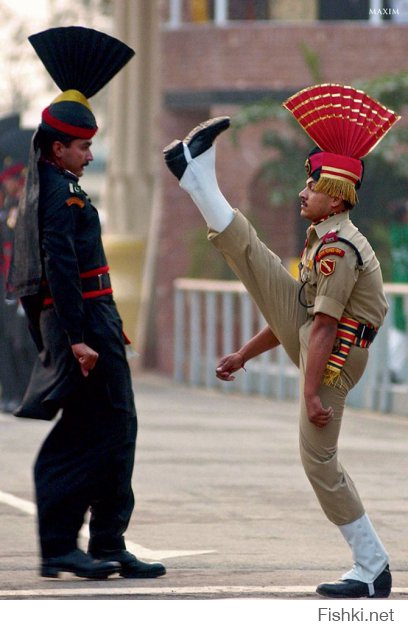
(179, 336)
(376, 7)
(175, 13)
(195, 338)
(246, 332)
(221, 12)
(210, 340)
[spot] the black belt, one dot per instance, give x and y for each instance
(93, 285)
(356, 333)
(96, 283)
(366, 332)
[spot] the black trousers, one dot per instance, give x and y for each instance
(86, 462)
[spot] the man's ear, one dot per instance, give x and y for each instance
(336, 203)
(57, 147)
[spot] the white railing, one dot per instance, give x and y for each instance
(213, 318)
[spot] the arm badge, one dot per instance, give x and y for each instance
(330, 251)
(75, 201)
(327, 266)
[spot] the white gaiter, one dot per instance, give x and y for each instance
(200, 181)
(369, 555)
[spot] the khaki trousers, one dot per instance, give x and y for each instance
(275, 292)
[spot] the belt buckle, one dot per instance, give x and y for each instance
(100, 281)
(363, 329)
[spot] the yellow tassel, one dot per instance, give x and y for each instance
(331, 376)
(337, 188)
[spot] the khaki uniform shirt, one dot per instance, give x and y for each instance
(335, 284)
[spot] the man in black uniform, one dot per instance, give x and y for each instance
(87, 459)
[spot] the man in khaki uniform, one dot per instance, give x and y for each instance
(325, 321)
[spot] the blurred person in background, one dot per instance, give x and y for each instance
(18, 353)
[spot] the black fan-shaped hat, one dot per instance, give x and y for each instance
(80, 58)
(81, 61)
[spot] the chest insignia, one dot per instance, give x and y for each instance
(327, 266)
(329, 251)
(71, 201)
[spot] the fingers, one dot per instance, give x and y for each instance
(227, 365)
(84, 371)
(322, 418)
(224, 375)
(87, 363)
(317, 414)
(86, 357)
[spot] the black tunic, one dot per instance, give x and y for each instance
(87, 459)
(71, 244)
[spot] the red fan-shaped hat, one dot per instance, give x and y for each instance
(346, 124)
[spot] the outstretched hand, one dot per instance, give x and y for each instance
(85, 356)
(229, 364)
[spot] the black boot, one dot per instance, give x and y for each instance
(79, 563)
(198, 140)
(130, 566)
(351, 589)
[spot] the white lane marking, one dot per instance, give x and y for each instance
(244, 591)
(148, 554)
(21, 504)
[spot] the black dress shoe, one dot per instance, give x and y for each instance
(79, 563)
(349, 589)
(198, 140)
(130, 566)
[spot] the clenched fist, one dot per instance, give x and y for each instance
(85, 356)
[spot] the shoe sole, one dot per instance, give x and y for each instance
(141, 575)
(171, 146)
(218, 125)
(198, 140)
(55, 572)
(377, 595)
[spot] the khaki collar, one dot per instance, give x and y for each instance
(332, 224)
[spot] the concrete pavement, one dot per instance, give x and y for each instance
(221, 499)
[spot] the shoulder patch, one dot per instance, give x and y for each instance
(329, 251)
(75, 188)
(327, 266)
(71, 201)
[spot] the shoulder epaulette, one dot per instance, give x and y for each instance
(332, 237)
